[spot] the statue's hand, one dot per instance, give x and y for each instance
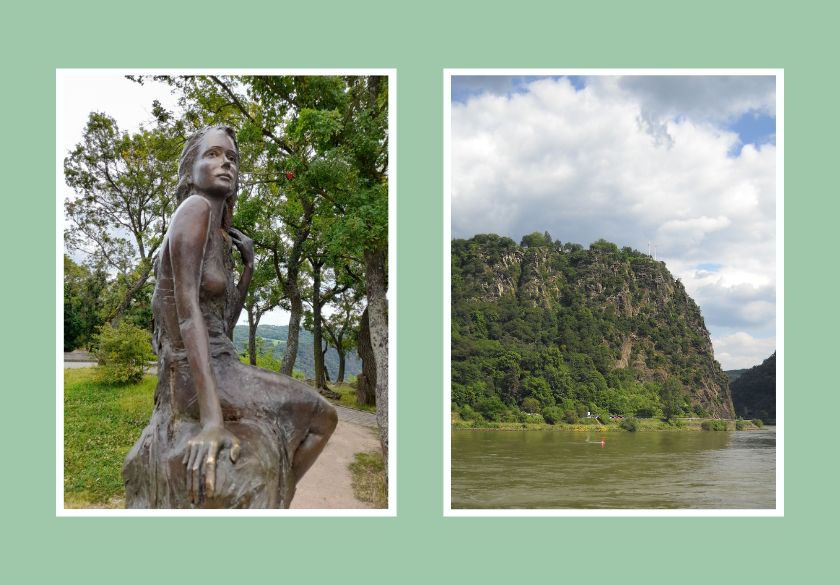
(200, 459)
(244, 244)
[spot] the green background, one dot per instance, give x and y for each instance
(419, 39)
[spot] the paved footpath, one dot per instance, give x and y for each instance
(359, 417)
(328, 483)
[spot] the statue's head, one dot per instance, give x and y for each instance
(187, 162)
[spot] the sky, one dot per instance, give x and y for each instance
(683, 163)
(130, 104)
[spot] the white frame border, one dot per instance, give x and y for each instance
(391, 510)
(448, 511)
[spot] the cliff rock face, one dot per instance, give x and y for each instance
(616, 308)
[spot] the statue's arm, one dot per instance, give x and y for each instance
(188, 237)
(246, 250)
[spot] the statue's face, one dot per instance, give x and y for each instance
(216, 166)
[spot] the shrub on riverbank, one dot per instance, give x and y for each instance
(713, 425)
(552, 414)
(758, 422)
(630, 424)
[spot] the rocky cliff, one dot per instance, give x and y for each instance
(614, 323)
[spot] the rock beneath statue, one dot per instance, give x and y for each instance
(261, 477)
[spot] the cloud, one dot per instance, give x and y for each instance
(742, 350)
(584, 164)
(701, 98)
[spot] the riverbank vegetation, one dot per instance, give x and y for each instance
(630, 424)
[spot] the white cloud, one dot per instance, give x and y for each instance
(631, 161)
(742, 350)
(715, 98)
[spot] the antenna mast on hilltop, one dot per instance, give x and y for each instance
(653, 255)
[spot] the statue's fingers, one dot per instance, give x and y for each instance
(186, 458)
(191, 487)
(234, 450)
(210, 476)
(209, 471)
(195, 471)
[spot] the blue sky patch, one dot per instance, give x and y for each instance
(577, 81)
(710, 267)
(753, 128)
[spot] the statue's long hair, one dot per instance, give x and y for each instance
(185, 167)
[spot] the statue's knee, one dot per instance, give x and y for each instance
(329, 418)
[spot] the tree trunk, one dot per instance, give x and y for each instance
(253, 322)
(324, 359)
(366, 381)
(378, 322)
(293, 290)
(317, 340)
(290, 355)
(339, 379)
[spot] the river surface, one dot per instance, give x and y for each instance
(668, 469)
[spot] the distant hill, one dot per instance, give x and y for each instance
(275, 337)
(734, 374)
(754, 392)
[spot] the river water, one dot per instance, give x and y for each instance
(555, 469)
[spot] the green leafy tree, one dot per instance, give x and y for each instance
(672, 395)
(84, 288)
(530, 404)
(342, 328)
(120, 203)
(263, 296)
(538, 389)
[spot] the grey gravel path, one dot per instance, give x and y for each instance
(358, 417)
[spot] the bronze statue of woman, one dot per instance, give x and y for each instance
(223, 434)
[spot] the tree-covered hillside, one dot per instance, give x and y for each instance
(754, 392)
(273, 338)
(551, 328)
(734, 375)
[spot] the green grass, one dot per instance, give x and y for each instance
(348, 398)
(370, 483)
(101, 423)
